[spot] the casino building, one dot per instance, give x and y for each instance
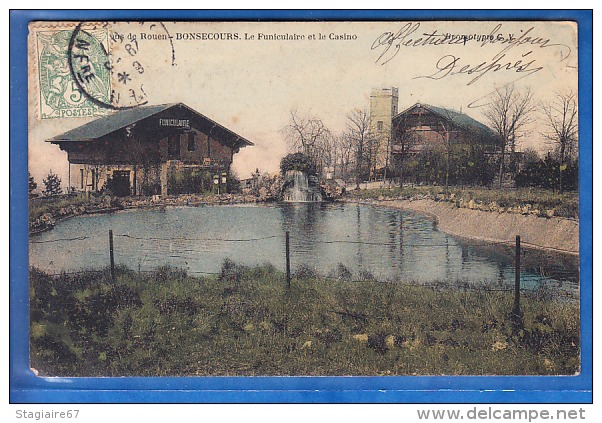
(420, 127)
(139, 149)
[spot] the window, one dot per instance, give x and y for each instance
(81, 178)
(379, 125)
(191, 141)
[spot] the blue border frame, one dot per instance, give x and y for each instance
(25, 387)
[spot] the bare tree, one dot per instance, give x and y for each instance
(326, 151)
(359, 136)
(345, 148)
(447, 131)
(95, 171)
(562, 125)
(373, 151)
(140, 154)
(330, 153)
(404, 140)
(508, 114)
(308, 135)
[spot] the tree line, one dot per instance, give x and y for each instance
(362, 151)
(354, 154)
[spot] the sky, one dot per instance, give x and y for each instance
(237, 74)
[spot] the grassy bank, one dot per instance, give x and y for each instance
(52, 205)
(245, 322)
(564, 205)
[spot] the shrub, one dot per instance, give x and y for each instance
(231, 271)
(546, 174)
(52, 185)
(343, 273)
(233, 183)
(150, 188)
(306, 272)
(468, 165)
(116, 187)
(167, 273)
(366, 275)
(298, 161)
(189, 181)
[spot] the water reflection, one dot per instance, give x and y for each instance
(387, 243)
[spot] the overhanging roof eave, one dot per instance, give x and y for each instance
(57, 141)
(99, 128)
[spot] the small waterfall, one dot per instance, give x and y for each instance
(298, 188)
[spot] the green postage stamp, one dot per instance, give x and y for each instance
(59, 93)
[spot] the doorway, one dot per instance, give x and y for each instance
(120, 183)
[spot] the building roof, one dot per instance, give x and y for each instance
(105, 125)
(458, 118)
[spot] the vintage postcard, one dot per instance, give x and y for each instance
(324, 198)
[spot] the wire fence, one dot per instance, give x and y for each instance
(182, 248)
(46, 241)
(198, 239)
(406, 244)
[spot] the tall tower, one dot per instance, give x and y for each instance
(383, 107)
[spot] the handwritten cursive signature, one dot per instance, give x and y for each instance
(450, 65)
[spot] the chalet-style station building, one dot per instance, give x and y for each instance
(421, 127)
(139, 149)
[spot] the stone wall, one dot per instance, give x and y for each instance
(552, 233)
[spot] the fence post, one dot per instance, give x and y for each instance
(111, 255)
(288, 261)
(516, 309)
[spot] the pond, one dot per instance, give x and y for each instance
(366, 240)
